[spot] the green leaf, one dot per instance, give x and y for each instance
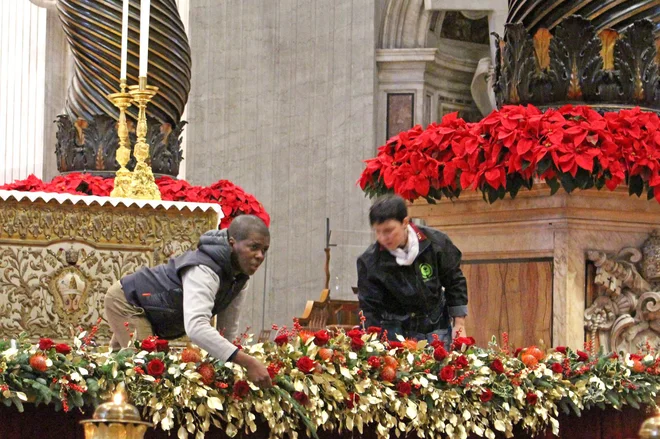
(543, 165)
(554, 185)
(632, 401)
(635, 185)
(567, 182)
(17, 402)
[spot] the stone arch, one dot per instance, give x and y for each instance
(405, 25)
(415, 59)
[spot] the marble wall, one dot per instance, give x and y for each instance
(282, 104)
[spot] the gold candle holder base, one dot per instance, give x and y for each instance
(116, 419)
(142, 186)
(122, 100)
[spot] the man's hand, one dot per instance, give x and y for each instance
(459, 327)
(256, 371)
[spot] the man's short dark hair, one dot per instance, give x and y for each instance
(241, 227)
(386, 208)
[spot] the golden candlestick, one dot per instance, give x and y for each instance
(116, 419)
(143, 185)
(122, 100)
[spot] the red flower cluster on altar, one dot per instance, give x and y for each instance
(233, 199)
(572, 147)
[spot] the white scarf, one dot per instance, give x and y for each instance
(406, 255)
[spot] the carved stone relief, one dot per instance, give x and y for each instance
(626, 312)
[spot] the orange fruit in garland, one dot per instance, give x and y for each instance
(325, 354)
(191, 355)
(388, 374)
(391, 362)
(207, 372)
(638, 366)
(305, 335)
(38, 362)
(535, 352)
(410, 344)
(529, 360)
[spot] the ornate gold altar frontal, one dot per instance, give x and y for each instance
(59, 253)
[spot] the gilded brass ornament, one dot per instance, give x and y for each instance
(122, 100)
(143, 185)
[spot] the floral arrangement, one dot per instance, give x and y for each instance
(233, 199)
(573, 147)
(335, 380)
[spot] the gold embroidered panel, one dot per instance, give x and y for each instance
(58, 258)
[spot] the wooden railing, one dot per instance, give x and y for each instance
(330, 313)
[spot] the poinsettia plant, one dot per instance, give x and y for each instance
(334, 380)
(233, 199)
(573, 147)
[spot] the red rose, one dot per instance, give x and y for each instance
(532, 398)
(517, 351)
(305, 364)
(447, 373)
(437, 343)
(45, 344)
(321, 337)
(404, 388)
(241, 389)
(462, 362)
(355, 332)
(463, 341)
(497, 366)
(148, 344)
(155, 367)
(62, 348)
(357, 343)
(440, 353)
(374, 362)
(632, 357)
(486, 395)
(582, 356)
(281, 339)
(353, 398)
(301, 397)
(395, 345)
(614, 356)
(557, 368)
(162, 345)
(561, 349)
(374, 330)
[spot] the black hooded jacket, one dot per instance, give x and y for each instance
(418, 298)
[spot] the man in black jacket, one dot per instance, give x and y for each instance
(410, 281)
(181, 296)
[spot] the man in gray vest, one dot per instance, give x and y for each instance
(180, 297)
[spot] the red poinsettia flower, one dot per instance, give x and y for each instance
(573, 145)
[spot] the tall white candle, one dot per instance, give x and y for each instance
(124, 40)
(145, 5)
